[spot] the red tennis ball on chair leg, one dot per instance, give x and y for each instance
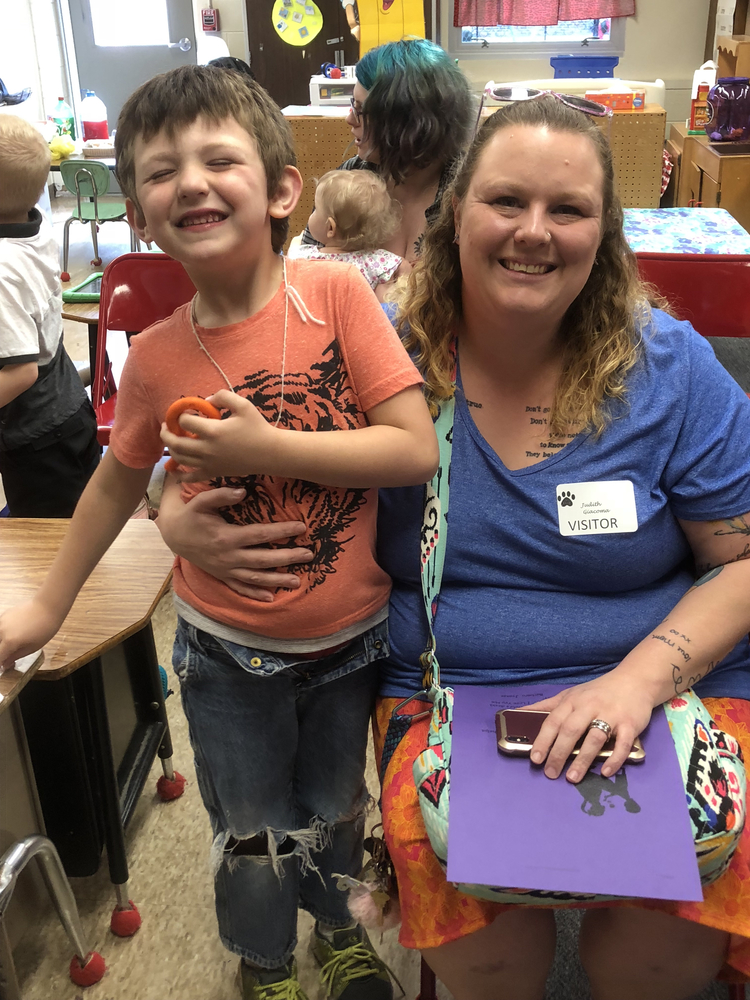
(90, 972)
(168, 789)
(124, 923)
(175, 411)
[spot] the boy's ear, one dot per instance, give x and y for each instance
(330, 228)
(284, 202)
(137, 221)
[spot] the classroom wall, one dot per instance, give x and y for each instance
(666, 39)
(232, 24)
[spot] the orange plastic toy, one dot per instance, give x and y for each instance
(181, 406)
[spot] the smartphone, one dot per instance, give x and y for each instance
(517, 729)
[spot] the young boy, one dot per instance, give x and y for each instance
(277, 695)
(48, 448)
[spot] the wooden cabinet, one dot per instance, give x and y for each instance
(723, 180)
(734, 55)
(713, 175)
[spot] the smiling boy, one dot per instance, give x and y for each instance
(277, 695)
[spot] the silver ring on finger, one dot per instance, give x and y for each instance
(601, 724)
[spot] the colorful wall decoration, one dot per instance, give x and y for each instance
(297, 22)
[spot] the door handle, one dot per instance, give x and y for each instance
(184, 44)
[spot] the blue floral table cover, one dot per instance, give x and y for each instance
(685, 230)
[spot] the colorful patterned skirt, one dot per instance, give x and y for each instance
(434, 912)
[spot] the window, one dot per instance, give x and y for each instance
(595, 36)
(117, 24)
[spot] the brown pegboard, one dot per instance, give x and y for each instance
(322, 144)
(636, 137)
(637, 141)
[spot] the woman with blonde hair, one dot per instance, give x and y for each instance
(569, 389)
(572, 396)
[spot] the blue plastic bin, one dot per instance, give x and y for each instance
(584, 65)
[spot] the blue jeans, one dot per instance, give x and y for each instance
(280, 761)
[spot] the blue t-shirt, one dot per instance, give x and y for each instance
(522, 603)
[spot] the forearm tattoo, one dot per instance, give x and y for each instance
(734, 526)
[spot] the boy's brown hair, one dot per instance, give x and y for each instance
(174, 100)
(360, 205)
(24, 165)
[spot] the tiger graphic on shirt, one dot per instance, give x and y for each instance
(312, 400)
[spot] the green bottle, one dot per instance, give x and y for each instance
(62, 116)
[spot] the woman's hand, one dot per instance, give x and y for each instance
(625, 707)
(230, 552)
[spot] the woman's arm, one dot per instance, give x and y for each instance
(398, 448)
(697, 634)
(235, 554)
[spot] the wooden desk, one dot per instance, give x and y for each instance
(71, 724)
(116, 601)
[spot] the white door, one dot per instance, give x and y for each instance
(120, 44)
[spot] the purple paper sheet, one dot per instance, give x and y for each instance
(629, 835)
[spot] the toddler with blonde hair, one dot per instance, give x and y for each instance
(353, 216)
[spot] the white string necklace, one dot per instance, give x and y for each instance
(290, 292)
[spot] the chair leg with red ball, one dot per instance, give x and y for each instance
(86, 967)
(125, 919)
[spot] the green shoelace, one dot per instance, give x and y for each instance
(354, 962)
(287, 989)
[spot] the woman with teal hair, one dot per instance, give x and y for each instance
(411, 117)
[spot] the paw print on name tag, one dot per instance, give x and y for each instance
(566, 498)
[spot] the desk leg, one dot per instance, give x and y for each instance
(106, 777)
(125, 919)
(140, 648)
(93, 336)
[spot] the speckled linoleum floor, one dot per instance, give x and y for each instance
(177, 955)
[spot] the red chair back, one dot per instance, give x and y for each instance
(712, 291)
(138, 289)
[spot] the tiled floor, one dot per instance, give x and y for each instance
(176, 955)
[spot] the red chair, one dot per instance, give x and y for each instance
(712, 291)
(138, 289)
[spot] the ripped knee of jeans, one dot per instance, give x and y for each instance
(271, 847)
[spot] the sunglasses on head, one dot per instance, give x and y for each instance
(509, 95)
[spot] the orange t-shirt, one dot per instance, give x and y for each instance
(333, 374)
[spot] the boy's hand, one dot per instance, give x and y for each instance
(25, 629)
(238, 445)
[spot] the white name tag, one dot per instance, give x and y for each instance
(596, 508)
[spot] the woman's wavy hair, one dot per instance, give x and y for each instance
(359, 203)
(602, 327)
(418, 109)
